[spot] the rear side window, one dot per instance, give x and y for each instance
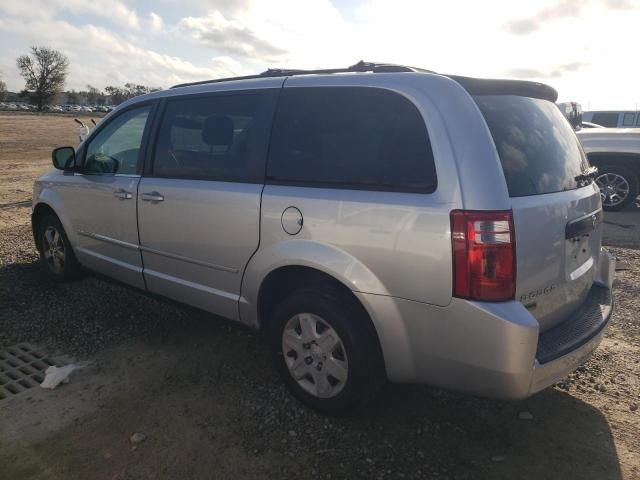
(627, 120)
(606, 119)
(350, 137)
(212, 138)
(538, 148)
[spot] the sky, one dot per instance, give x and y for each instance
(583, 48)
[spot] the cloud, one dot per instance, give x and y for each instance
(114, 10)
(228, 37)
(100, 57)
(555, 72)
(562, 9)
(155, 22)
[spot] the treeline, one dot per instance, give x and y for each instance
(111, 95)
(45, 73)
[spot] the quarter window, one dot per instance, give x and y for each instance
(347, 137)
(212, 138)
(627, 120)
(116, 147)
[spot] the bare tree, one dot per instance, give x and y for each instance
(3, 91)
(45, 72)
(94, 96)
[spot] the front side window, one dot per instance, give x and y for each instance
(211, 138)
(116, 148)
(627, 120)
(350, 137)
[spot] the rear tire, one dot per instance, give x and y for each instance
(618, 186)
(56, 254)
(349, 373)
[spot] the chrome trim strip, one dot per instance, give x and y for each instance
(189, 260)
(113, 261)
(114, 241)
(142, 248)
(193, 285)
(125, 175)
(582, 269)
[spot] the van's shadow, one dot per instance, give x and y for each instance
(566, 438)
(419, 431)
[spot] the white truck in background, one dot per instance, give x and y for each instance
(616, 154)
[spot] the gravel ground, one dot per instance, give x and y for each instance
(206, 403)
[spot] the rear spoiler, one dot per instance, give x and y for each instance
(522, 88)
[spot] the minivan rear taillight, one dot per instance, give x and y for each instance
(484, 255)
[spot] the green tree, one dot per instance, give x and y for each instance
(44, 71)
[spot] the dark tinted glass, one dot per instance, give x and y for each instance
(538, 149)
(606, 119)
(627, 120)
(212, 137)
(348, 137)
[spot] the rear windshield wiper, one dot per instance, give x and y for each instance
(587, 175)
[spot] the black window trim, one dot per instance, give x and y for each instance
(273, 92)
(369, 187)
(143, 142)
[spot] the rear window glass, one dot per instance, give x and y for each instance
(350, 137)
(538, 149)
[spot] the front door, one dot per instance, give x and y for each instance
(199, 205)
(101, 200)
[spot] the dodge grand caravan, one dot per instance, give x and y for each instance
(377, 222)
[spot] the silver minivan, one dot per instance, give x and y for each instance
(376, 222)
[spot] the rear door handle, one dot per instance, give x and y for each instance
(123, 195)
(152, 197)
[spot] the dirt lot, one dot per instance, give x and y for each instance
(210, 406)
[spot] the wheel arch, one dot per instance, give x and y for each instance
(281, 281)
(39, 212)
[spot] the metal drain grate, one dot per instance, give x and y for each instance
(21, 368)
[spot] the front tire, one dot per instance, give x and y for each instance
(618, 187)
(56, 254)
(325, 350)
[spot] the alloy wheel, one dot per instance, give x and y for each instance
(53, 249)
(614, 189)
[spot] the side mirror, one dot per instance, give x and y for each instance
(573, 113)
(64, 158)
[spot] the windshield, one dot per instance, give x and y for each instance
(538, 148)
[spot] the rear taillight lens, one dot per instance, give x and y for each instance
(484, 255)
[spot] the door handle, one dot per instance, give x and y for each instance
(123, 195)
(152, 197)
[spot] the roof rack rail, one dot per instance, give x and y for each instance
(361, 66)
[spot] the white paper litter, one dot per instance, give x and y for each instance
(54, 376)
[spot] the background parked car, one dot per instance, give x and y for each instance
(613, 119)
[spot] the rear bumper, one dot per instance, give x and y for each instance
(488, 349)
